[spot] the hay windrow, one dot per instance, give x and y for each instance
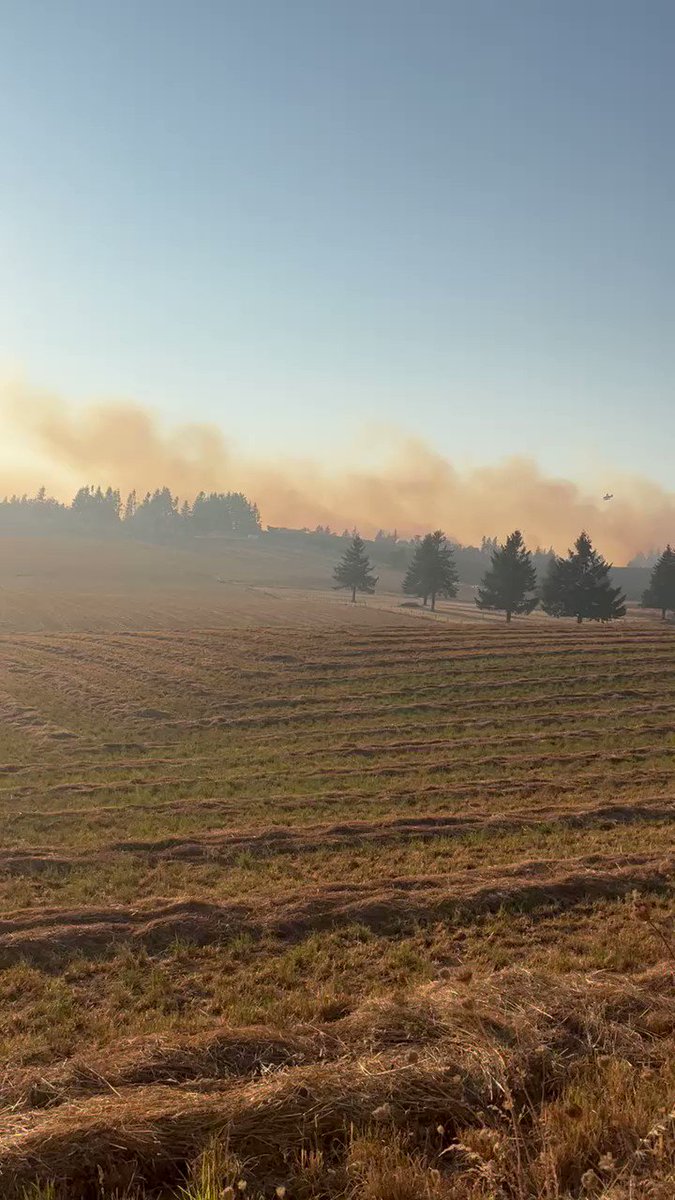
(466, 1060)
(45, 936)
(387, 904)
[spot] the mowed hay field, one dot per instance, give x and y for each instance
(355, 911)
(65, 585)
(78, 584)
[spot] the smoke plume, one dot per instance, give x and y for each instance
(413, 489)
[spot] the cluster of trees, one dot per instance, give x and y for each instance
(387, 549)
(158, 514)
(510, 578)
(577, 585)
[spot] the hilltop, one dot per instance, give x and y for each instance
(68, 582)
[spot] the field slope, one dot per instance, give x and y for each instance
(384, 908)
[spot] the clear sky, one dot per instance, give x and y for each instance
(297, 216)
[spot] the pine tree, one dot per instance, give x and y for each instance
(661, 590)
(412, 580)
(432, 571)
(130, 507)
(578, 586)
(510, 580)
(354, 570)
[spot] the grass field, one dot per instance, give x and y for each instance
(60, 584)
(75, 584)
(354, 906)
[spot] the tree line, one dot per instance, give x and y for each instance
(156, 515)
(388, 549)
(577, 585)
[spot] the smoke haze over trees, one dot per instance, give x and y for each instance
(405, 483)
(161, 516)
(156, 515)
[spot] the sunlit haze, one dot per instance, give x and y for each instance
(321, 228)
(337, 599)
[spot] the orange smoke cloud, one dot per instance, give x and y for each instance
(413, 489)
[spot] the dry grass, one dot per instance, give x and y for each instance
(65, 584)
(370, 912)
(474, 1079)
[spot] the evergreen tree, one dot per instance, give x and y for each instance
(156, 515)
(130, 507)
(510, 580)
(578, 586)
(94, 509)
(432, 572)
(354, 570)
(225, 512)
(412, 580)
(661, 590)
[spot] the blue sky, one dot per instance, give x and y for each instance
(302, 217)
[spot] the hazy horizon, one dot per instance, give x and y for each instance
(291, 221)
(392, 480)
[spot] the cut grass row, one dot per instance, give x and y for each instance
(267, 864)
(282, 826)
(47, 1015)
